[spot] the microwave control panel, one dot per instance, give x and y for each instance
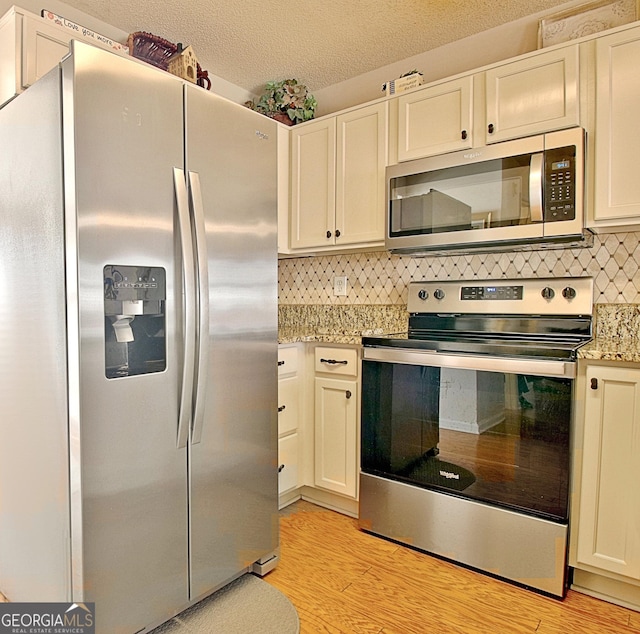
(559, 184)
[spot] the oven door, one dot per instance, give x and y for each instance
(491, 429)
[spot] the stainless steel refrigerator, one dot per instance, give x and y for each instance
(138, 341)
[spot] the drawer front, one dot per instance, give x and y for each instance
(287, 361)
(287, 463)
(343, 361)
(288, 404)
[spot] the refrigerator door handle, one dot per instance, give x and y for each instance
(189, 280)
(203, 303)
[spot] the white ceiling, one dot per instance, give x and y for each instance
(319, 42)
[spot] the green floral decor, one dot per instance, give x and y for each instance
(286, 101)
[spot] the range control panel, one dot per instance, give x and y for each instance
(491, 292)
(535, 296)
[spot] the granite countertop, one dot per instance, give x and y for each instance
(617, 334)
(340, 323)
(611, 349)
(617, 327)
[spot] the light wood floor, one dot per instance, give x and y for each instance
(342, 580)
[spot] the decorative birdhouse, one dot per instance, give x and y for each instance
(184, 64)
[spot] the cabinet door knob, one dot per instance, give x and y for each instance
(594, 384)
(281, 408)
(280, 363)
(328, 234)
(464, 135)
(280, 468)
(348, 393)
(337, 233)
(491, 128)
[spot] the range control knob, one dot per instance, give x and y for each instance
(422, 294)
(568, 292)
(438, 293)
(547, 293)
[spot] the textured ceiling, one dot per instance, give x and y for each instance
(320, 42)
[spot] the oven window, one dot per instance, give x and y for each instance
(489, 436)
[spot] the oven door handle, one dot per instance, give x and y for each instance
(508, 365)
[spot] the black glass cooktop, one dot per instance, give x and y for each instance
(533, 347)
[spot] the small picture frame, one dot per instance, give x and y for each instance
(585, 19)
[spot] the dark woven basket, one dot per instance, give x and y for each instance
(151, 48)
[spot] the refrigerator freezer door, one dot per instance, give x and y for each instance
(34, 499)
(129, 543)
(233, 476)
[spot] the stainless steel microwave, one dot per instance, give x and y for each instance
(527, 193)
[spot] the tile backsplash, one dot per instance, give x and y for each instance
(382, 278)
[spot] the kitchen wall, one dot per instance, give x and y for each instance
(381, 278)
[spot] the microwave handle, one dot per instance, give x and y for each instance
(535, 186)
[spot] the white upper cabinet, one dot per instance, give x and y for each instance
(361, 153)
(436, 120)
(617, 132)
(537, 94)
(337, 180)
(313, 166)
(29, 48)
(532, 95)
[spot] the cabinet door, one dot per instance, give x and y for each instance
(435, 120)
(609, 519)
(361, 151)
(336, 462)
(617, 133)
(533, 95)
(288, 404)
(43, 46)
(287, 463)
(313, 167)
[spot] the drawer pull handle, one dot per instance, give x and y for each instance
(280, 468)
(333, 362)
(594, 384)
(281, 408)
(348, 393)
(280, 363)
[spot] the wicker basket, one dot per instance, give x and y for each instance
(151, 48)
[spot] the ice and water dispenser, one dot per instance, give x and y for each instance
(134, 320)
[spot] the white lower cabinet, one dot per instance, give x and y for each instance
(318, 425)
(288, 458)
(288, 418)
(336, 435)
(336, 420)
(605, 522)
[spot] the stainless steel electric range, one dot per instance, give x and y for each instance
(466, 425)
